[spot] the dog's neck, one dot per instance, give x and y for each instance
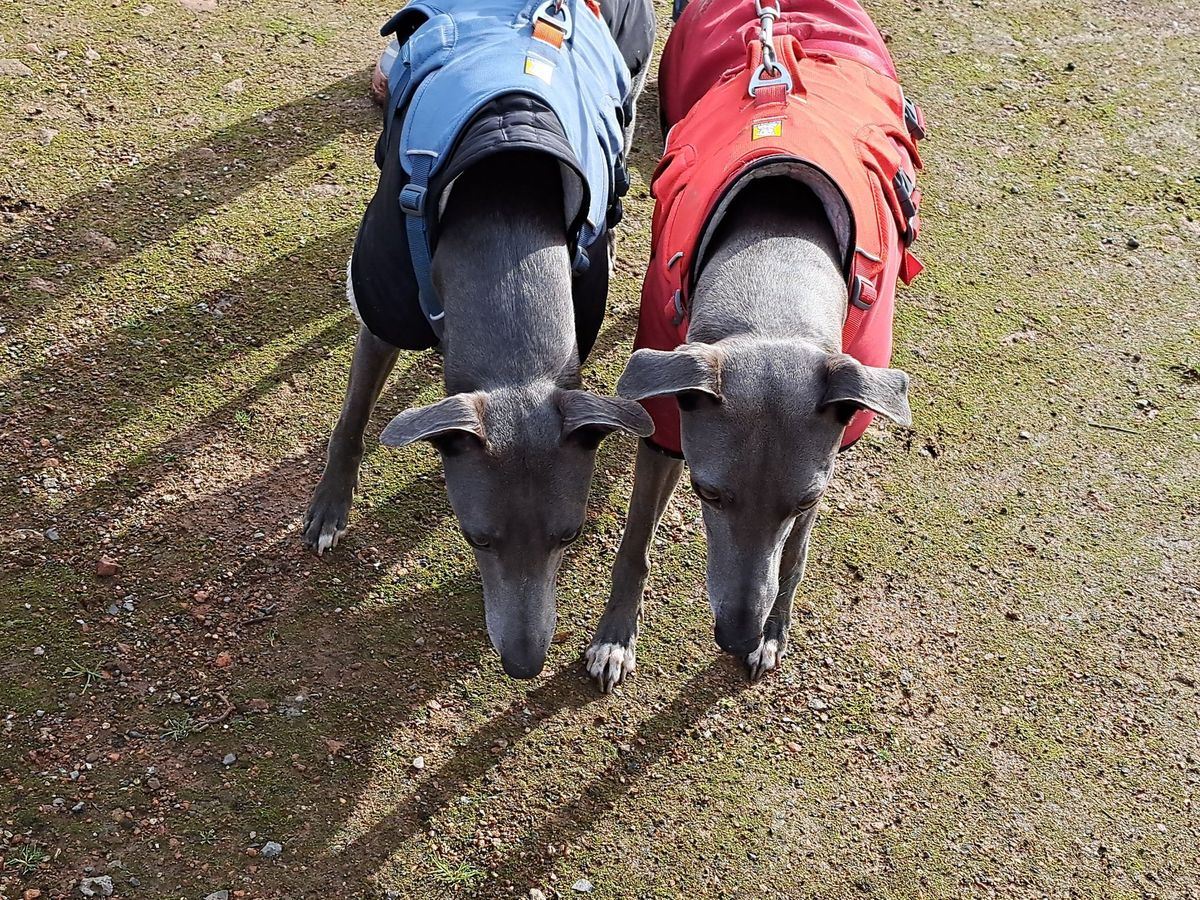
(771, 271)
(503, 275)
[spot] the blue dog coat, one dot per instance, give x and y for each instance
(458, 56)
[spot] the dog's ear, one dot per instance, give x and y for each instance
(662, 373)
(457, 416)
(589, 418)
(851, 386)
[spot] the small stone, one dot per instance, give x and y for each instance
(224, 659)
(78, 807)
(230, 759)
(100, 886)
(233, 88)
(582, 886)
(218, 895)
(51, 534)
(31, 894)
(537, 894)
(906, 677)
(271, 849)
(39, 651)
(1025, 435)
(1132, 243)
(419, 763)
(817, 704)
(106, 567)
(153, 783)
(14, 68)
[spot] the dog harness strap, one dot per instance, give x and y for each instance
(412, 202)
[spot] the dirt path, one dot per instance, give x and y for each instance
(993, 687)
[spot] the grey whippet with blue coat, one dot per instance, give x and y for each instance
(515, 285)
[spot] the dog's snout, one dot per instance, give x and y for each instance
(523, 665)
(738, 638)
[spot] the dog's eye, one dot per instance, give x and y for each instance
(707, 494)
(478, 541)
(572, 536)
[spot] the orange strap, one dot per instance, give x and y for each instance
(594, 6)
(544, 31)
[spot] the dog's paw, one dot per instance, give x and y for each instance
(609, 664)
(325, 521)
(764, 659)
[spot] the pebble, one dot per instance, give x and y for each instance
(271, 849)
(51, 534)
(1024, 435)
(1132, 243)
(419, 763)
(14, 68)
(582, 886)
(816, 703)
(230, 759)
(537, 894)
(107, 567)
(218, 895)
(100, 886)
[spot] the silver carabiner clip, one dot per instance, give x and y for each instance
(771, 11)
(763, 76)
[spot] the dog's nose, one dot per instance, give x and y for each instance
(523, 665)
(737, 639)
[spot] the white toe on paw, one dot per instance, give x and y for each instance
(610, 663)
(764, 659)
(328, 539)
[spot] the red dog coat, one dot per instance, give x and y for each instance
(844, 129)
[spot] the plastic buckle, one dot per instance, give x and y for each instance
(914, 120)
(559, 18)
(904, 193)
(412, 200)
(680, 315)
(862, 293)
(582, 261)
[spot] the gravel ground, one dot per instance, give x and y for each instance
(992, 687)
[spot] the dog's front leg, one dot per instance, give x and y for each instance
(612, 654)
(791, 570)
(329, 508)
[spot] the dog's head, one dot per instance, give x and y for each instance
(518, 465)
(761, 421)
